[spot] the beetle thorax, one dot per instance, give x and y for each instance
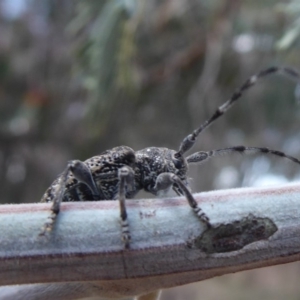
(152, 161)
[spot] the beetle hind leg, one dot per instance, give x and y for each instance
(83, 174)
(56, 192)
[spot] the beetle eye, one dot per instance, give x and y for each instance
(177, 163)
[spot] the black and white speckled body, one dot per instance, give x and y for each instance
(147, 165)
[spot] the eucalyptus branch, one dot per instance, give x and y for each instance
(84, 255)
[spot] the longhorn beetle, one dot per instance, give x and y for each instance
(121, 172)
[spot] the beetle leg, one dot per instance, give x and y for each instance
(166, 180)
(57, 191)
(126, 178)
(83, 174)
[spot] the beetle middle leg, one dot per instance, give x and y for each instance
(126, 179)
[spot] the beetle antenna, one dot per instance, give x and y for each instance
(189, 140)
(204, 156)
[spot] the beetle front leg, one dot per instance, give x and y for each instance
(166, 180)
(126, 178)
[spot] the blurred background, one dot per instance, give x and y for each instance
(80, 77)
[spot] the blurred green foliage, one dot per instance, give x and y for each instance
(78, 77)
(104, 53)
(291, 36)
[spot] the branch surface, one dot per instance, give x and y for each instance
(251, 228)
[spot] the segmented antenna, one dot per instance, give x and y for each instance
(204, 156)
(189, 140)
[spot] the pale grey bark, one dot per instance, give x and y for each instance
(85, 248)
